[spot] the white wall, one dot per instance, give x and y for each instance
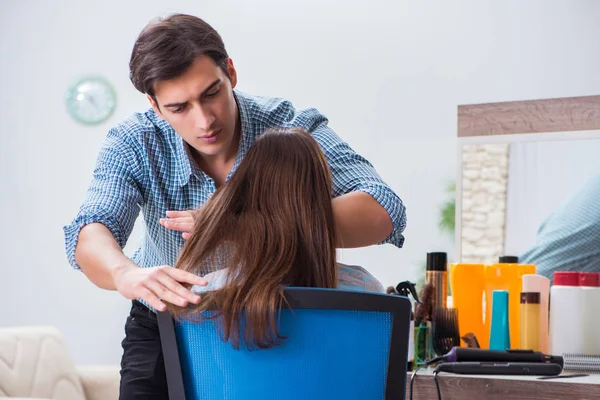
(388, 74)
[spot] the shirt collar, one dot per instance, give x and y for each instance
(247, 130)
(177, 147)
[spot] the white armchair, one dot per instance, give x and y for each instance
(35, 364)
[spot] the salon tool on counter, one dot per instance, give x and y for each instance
(461, 354)
(408, 289)
(481, 362)
(563, 376)
(500, 368)
(583, 363)
(424, 309)
(445, 333)
(469, 339)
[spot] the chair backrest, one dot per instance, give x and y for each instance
(339, 344)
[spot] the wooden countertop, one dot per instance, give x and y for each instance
(497, 387)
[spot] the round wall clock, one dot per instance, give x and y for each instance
(91, 100)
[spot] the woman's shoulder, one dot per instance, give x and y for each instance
(215, 280)
(355, 277)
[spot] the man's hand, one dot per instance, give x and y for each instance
(157, 283)
(182, 221)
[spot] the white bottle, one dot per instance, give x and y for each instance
(590, 285)
(540, 284)
(566, 314)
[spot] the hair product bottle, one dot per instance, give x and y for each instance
(437, 275)
(589, 282)
(540, 284)
(566, 316)
(467, 285)
(530, 321)
(499, 325)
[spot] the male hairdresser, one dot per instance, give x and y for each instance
(171, 159)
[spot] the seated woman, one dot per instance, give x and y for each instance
(270, 226)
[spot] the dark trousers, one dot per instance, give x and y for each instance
(142, 366)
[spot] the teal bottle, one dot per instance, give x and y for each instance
(499, 329)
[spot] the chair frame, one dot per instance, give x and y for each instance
(315, 298)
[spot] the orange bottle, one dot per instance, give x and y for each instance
(467, 286)
(507, 275)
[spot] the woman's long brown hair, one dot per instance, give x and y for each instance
(274, 221)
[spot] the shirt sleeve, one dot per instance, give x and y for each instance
(113, 197)
(353, 173)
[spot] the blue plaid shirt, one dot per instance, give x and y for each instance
(144, 165)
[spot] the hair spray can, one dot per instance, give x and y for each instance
(437, 275)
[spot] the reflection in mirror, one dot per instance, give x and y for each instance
(537, 200)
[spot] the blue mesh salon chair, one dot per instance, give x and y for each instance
(339, 345)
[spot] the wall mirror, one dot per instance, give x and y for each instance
(521, 165)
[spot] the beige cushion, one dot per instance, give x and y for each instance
(100, 382)
(34, 362)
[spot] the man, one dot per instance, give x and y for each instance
(171, 159)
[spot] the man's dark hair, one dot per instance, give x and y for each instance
(166, 48)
